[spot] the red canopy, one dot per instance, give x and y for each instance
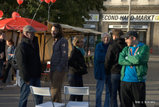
(19, 22)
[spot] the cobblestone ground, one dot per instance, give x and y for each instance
(9, 96)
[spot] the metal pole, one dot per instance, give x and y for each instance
(44, 47)
(129, 15)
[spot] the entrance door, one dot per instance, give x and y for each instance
(142, 36)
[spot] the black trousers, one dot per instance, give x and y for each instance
(133, 93)
(77, 81)
(7, 69)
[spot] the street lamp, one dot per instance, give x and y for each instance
(129, 15)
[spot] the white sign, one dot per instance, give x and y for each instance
(126, 26)
(93, 18)
(133, 18)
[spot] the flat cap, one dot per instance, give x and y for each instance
(28, 28)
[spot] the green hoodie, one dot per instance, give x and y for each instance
(140, 61)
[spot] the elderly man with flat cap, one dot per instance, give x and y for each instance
(29, 65)
(133, 58)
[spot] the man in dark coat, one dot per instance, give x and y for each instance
(111, 64)
(59, 62)
(2, 51)
(29, 65)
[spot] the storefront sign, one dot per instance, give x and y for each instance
(93, 18)
(89, 26)
(133, 18)
(126, 26)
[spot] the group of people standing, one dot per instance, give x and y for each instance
(6, 58)
(121, 65)
(29, 65)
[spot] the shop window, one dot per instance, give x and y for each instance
(151, 0)
(124, 0)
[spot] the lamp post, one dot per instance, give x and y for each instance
(129, 15)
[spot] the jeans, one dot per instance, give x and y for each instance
(115, 86)
(99, 90)
(25, 90)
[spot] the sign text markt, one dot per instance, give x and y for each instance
(133, 18)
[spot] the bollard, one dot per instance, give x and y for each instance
(150, 50)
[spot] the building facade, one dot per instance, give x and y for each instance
(144, 19)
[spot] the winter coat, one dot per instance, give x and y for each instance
(77, 67)
(59, 59)
(28, 59)
(77, 61)
(111, 59)
(2, 49)
(139, 60)
(99, 58)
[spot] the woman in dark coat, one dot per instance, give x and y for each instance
(77, 66)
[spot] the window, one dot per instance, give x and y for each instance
(123, 0)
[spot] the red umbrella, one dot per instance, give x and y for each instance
(17, 23)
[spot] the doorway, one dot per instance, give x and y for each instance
(142, 36)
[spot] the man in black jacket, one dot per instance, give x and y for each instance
(111, 64)
(29, 65)
(2, 51)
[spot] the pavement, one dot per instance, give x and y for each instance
(9, 96)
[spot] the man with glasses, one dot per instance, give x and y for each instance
(134, 59)
(29, 65)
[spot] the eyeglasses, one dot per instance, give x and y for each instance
(128, 37)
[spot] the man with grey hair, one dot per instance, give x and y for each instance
(29, 65)
(99, 71)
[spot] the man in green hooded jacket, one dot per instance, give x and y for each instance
(134, 59)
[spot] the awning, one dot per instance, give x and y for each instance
(75, 30)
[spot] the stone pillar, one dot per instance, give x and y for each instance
(156, 38)
(148, 36)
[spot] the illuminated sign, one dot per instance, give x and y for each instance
(133, 18)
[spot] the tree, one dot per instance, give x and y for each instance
(70, 12)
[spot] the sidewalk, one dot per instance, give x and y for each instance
(9, 96)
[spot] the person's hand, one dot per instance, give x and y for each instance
(1, 55)
(5, 62)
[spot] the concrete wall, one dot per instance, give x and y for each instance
(134, 2)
